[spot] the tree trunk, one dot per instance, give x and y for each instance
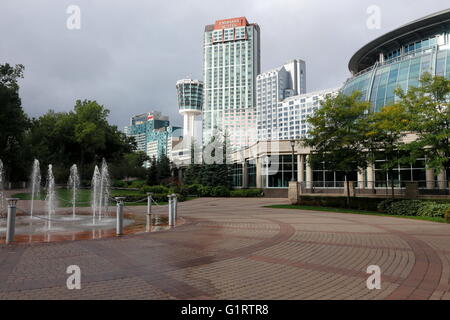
(392, 183)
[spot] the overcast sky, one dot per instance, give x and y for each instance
(129, 54)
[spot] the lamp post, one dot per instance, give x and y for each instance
(293, 179)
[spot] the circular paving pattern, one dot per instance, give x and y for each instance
(238, 249)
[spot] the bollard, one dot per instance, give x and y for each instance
(175, 207)
(149, 203)
(119, 216)
(170, 210)
(11, 219)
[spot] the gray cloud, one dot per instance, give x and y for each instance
(128, 55)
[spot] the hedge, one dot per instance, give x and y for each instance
(246, 193)
(357, 203)
(424, 208)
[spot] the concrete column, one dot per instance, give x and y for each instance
(245, 175)
(361, 179)
(258, 173)
(370, 177)
(442, 183)
(309, 173)
(293, 192)
(300, 168)
(429, 174)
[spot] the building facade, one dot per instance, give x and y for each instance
(288, 119)
(399, 58)
(396, 59)
(231, 63)
(274, 86)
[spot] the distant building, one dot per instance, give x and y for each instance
(273, 87)
(152, 133)
(288, 119)
(231, 61)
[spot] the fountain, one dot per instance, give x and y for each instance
(95, 192)
(58, 224)
(50, 199)
(74, 185)
(105, 186)
(2, 205)
(35, 183)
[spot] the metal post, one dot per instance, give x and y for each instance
(11, 219)
(292, 161)
(170, 210)
(119, 216)
(149, 203)
(175, 207)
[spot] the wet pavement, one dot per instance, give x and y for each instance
(237, 249)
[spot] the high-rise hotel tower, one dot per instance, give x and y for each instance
(231, 62)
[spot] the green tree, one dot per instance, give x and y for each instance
(163, 165)
(428, 107)
(338, 134)
(13, 123)
(386, 130)
(152, 173)
(82, 136)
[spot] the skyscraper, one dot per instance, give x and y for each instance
(231, 63)
(273, 87)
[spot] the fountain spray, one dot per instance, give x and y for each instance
(35, 183)
(74, 185)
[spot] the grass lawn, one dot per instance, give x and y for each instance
(64, 197)
(352, 211)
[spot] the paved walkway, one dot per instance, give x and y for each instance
(236, 249)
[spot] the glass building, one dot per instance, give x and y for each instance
(231, 63)
(396, 59)
(152, 133)
(399, 58)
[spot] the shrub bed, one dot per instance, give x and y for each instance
(247, 193)
(369, 204)
(423, 208)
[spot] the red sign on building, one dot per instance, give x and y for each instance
(231, 23)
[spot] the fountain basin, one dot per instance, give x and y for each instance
(65, 227)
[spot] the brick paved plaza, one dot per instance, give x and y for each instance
(237, 249)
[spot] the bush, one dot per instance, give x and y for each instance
(119, 184)
(205, 191)
(433, 209)
(447, 215)
(220, 191)
(155, 189)
(404, 208)
(194, 189)
(384, 205)
(138, 184)
(358, 203)
(246, 193)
